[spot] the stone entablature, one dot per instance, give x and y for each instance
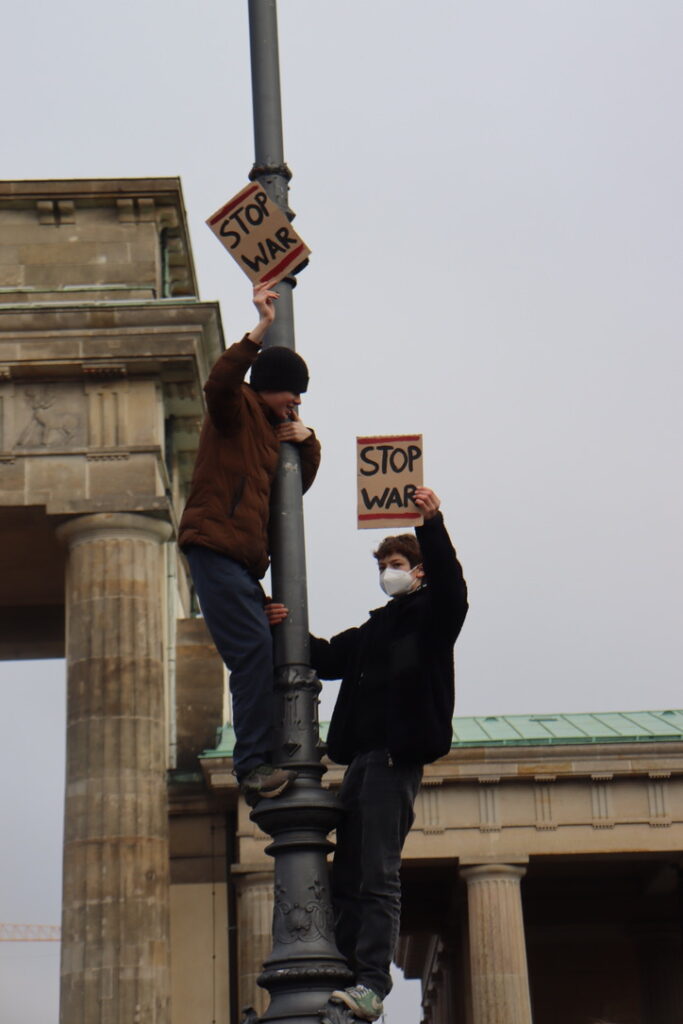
(81, 240)
(521, 802)
(601, 798)
(84, 389)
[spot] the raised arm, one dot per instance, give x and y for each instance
(264, 300)
(222, 389)
(446, 585)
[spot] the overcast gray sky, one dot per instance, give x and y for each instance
(492, 194)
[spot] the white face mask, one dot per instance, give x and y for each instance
(396, 581)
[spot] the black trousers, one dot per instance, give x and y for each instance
(377, 799)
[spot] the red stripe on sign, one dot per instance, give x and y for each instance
(390, 437)
(391, 515)
(284, 262)
(248, 191)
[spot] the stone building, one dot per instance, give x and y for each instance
(543, 872)
(103, 350)
(542, 876)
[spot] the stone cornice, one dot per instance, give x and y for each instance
(532, 765)
(138, 337)
(538, 764)
(112, 188)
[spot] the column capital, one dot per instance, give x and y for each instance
(106, 525)
(491, 872)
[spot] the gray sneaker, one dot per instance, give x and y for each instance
(266, 781)
(361, 1000)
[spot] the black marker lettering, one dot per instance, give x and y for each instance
(254, 214)
(260, 259)
(236, 216)
(394, 498)
(262, 199)
(384, 449)
(364, 457)
(273, 248)
(398, 460)
(414, 453)
(372, 500)
(283, 236)
(225, 232)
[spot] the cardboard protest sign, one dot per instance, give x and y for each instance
(258, 235)
(389, 470)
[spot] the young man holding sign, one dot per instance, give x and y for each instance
(224, 528)
(393, 715)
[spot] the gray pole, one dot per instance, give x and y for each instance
(304, 965)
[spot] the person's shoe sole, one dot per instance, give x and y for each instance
(252, 796)
(341, 997)
(277, 790)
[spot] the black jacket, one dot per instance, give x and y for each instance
(413, 635)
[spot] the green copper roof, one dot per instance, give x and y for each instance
(539, 730)
(530, 730)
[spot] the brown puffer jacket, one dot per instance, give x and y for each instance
(229, 501)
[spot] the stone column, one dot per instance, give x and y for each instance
(199, 691)
(498, 967)
(254, 886)
(115, 916)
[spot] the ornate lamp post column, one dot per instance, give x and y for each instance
(304, 965)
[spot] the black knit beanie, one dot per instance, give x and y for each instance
(279, 369)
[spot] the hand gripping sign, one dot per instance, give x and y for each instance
(389, 471)
(258, 235)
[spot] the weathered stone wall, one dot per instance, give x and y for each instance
(92, 240)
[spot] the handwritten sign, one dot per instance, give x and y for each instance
(258, 235)
(389, 471)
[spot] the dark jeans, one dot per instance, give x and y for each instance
(232, 605)
(377, 798)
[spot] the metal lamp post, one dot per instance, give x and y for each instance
(304, 965)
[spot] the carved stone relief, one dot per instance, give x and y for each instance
(50, 416)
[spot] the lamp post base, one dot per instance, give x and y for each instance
(337, 1013)
(305, 966)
